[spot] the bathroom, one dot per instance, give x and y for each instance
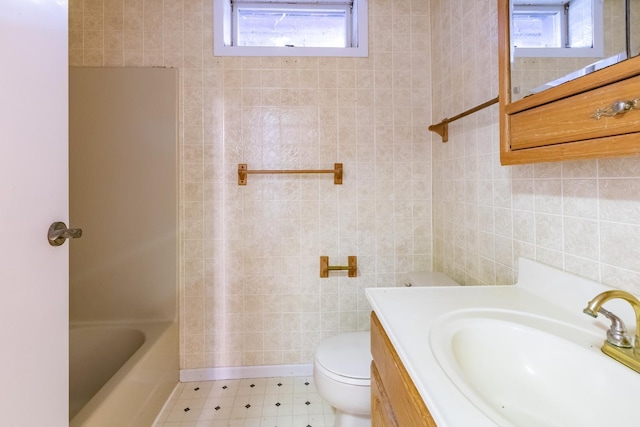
(249, 290)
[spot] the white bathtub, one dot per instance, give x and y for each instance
(121, 374)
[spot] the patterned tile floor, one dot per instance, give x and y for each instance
(259, 402)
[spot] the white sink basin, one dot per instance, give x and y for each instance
(524, 370)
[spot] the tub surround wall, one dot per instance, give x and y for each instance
(122, 193)
(580, 216)
(250, 291)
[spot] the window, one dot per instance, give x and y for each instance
(564, 29)
(279, 28)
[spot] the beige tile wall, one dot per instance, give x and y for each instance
(581, 216)
(250, 292)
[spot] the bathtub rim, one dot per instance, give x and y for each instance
(153, 332)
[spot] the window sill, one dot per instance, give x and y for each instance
(354, 52)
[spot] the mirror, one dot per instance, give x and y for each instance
(595, 115)
(555, 41)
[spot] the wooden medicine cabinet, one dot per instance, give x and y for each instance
(596, 115)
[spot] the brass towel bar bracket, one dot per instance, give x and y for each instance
(243, 171)
(325, 268)
(442, 128)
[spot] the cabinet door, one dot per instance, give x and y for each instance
(381, 411)
(405, 404)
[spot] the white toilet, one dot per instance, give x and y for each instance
(341, 368)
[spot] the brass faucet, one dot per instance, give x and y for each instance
(623, 353)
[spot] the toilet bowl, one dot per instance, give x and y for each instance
(341, 375)
(341, 367)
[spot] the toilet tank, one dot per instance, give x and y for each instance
(430, 278)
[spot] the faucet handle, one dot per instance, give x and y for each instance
(617, 333)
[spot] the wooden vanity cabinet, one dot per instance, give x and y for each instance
(395, 401)
(561, 123)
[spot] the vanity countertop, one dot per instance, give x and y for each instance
(408, 315)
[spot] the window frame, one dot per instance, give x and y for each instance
(596, 51)
(222, 38)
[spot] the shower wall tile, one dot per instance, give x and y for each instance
(581, 216)
(249, 287)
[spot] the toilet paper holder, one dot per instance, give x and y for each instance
(325, 268)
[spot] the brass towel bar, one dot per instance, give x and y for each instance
(325, 268)
(243, 172)
(442, 128)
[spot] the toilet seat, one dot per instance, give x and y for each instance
(346, 358)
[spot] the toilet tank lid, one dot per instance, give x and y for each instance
(430, 278)
(347, 355)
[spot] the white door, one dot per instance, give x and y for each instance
(33, 194)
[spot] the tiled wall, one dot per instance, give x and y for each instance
(581, 216)
(250, 292)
